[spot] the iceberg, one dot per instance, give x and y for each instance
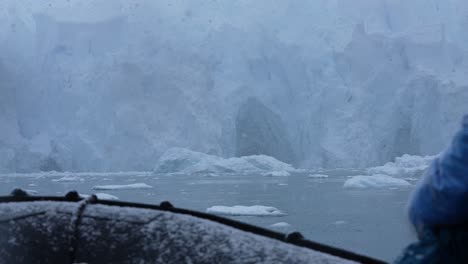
(180, 160)
(408, 166)
(317, 176)
(69, 179)
(123, 187)
(31, 192)
(280, 225)
(276, 174)
(239, 210)
(374, 181)
(339, 222)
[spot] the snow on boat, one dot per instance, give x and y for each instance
(71, 229)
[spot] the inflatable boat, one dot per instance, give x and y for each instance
(72, 229)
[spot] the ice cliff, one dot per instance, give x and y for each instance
(111, 85)
(261, 131)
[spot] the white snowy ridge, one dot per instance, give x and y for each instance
(239, 210)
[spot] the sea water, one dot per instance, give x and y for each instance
(367, 221)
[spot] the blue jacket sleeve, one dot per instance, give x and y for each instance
(441, 198)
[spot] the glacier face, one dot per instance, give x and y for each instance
(259, 131)
(111, 85)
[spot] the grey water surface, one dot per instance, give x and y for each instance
(367, 221)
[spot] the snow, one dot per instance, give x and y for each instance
(317, 176)
(69, 179)
(405, 166)
(102, 196)
(180, 160)
(374, 181)
(276, 174)
(123, 187)
(97, 87)
(239, 210)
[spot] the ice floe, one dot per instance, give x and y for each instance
(404, 166)
(339, 222)
(400, 173)
(69, 179)
(180, 160)
(374, 181)
(31, 192)
(102, 196)
(123, 187)
(317, 176)
(239, 210)
(276, 174)
(280, 225)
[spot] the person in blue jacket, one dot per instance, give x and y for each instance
(438, 208)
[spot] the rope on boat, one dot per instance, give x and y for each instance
(76, 221)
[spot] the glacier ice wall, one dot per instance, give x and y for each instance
(110, 85)
(260, 131)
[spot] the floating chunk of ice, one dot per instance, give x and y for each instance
(340, 222)
(280, 225)
(180, 160)
(31, 192)
(239, 210)
(404, 166)
(123, 187)
(102, 196)
(69, 179)
(318, 176)
(411, 179)
(375, 181)
(276, 174)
